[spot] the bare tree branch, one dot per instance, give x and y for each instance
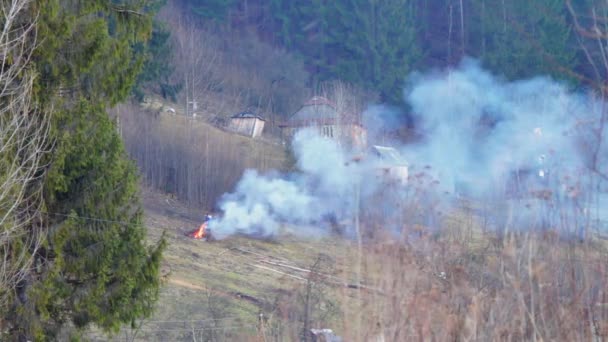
(24, 132)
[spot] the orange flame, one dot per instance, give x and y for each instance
(200, 232)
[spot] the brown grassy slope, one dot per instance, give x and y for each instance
(245, 277)
(462, 284)
(224, 285)
(190, 158)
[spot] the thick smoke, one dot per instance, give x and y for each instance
(478, 129)
(324, 188)
(526, 144)
(480, 136)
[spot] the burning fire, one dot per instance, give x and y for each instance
(200, 232)
(203, 232)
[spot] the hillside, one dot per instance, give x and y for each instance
(221, 287)
(422, 267)
(244, 289)
(189, 157)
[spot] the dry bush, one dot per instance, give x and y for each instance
(524, 286)
(350, 100)
(311, 304)
(443, 274)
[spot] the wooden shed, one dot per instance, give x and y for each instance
(247, 123)
(391, 164)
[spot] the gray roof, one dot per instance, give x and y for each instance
(247, 115)
(316, 109)
(315, 112)
(390, 155)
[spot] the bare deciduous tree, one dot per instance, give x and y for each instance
(226, 70)
(23, 142)
(197, 60)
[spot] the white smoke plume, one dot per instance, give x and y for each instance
(477, 128)
(527, 143)
(324, 187)
(478, 132)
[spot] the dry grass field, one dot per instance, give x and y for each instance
(462, 284)
(217, 290)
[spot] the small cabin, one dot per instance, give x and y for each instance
(247, 123)
(390, 164)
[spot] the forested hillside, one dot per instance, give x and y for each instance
(266, 53)
(375, 44)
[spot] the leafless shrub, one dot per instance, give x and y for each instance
(309, 305)
(349, 99)
(531, 286)
(591, 30)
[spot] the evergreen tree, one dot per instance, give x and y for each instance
(373, 44)
(521, 39)
(211, 9)
(369, 43)
(302, 27)
(157, 68)
(94, 267)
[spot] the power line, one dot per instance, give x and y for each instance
(195, 320)
(89, 218)
(230, 327)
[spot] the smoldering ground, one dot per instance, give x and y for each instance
(530, 144)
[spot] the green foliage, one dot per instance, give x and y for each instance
(157, 68)
(170, 91)
(521, 39)
(369, 43)
(211, 9)
(297, 24)
(97, 268)
(384, 49)
(375, 44)
(159, 55)
(87, 49)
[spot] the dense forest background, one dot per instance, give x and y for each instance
(372, 44)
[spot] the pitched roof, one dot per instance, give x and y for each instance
(390, 155)
(319, 100)
(316, 109)
(247, 115)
